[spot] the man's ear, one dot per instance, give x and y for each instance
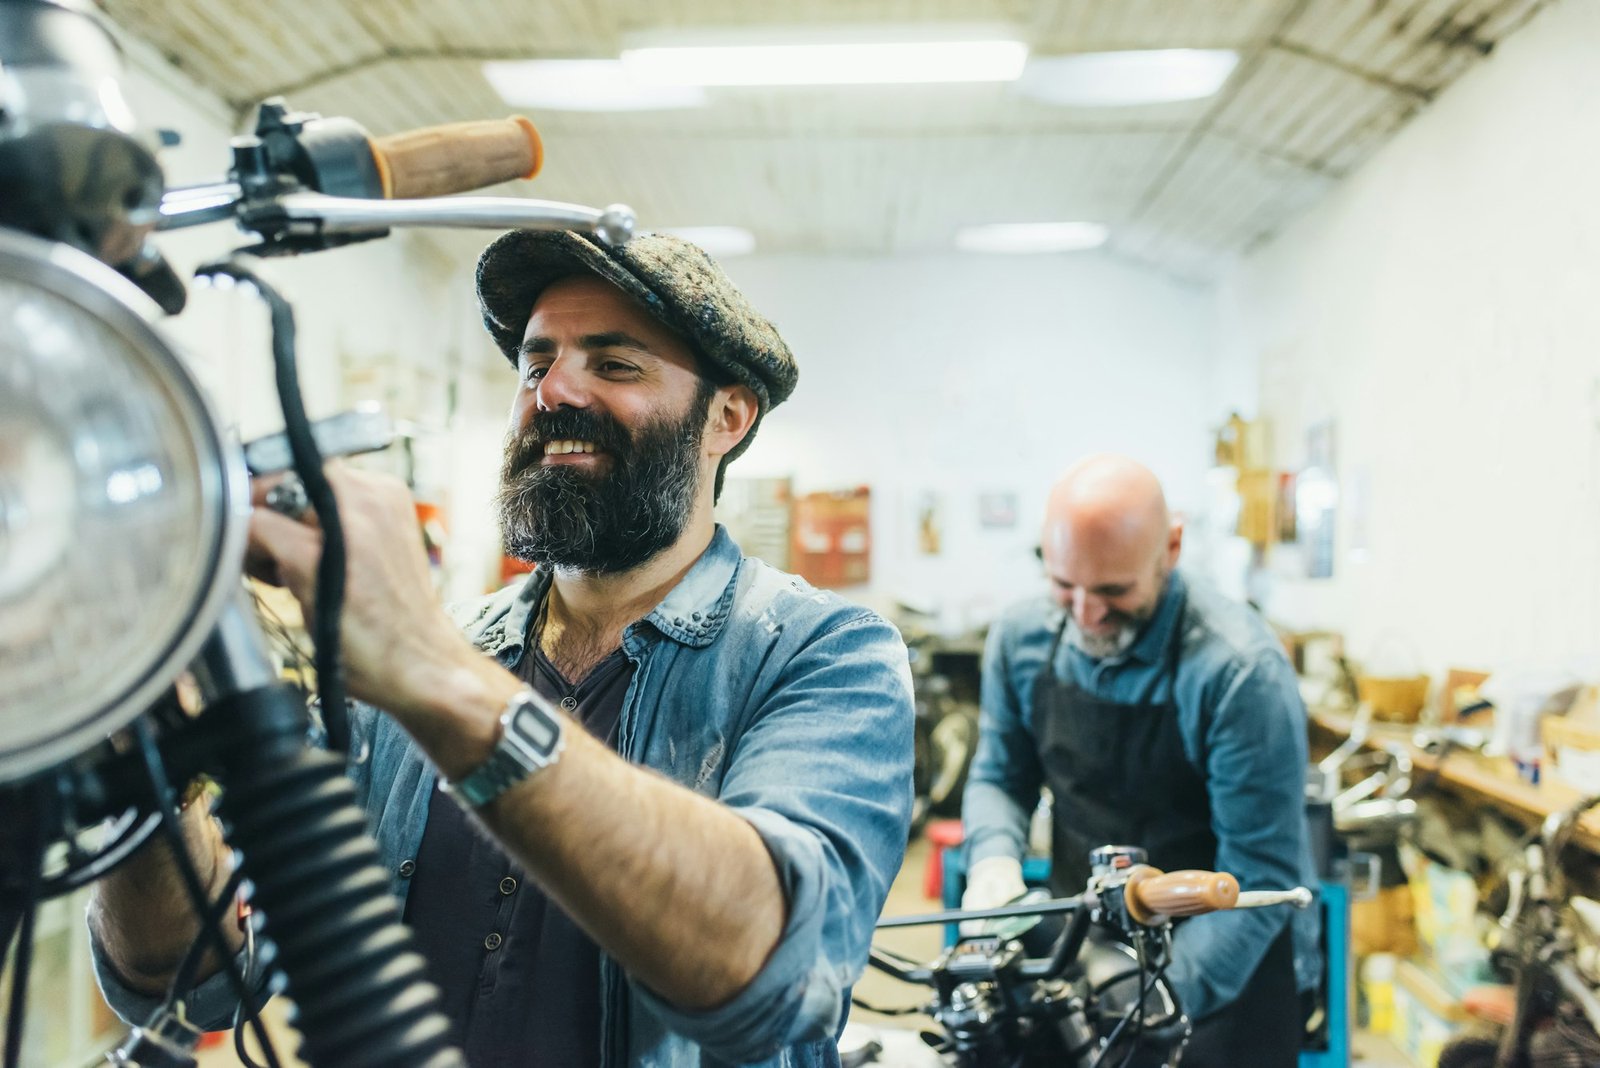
(733, 412)
(1174, 542)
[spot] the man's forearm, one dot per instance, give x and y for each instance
(679, 889)
(142, 916)
(675, 886)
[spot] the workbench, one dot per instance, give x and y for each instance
(1491, 779)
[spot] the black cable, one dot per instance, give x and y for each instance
(166, 804)
(1145, 990)
(239, 1049)
(21, 964)
(1143, 987)
(238, 1013)
(329, 601)
(32, 855)
(183, 979)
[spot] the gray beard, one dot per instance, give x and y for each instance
(1102, 647)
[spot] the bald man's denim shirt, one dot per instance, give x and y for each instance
(1243, 727)
(787, 704)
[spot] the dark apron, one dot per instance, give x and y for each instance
(1120, 776)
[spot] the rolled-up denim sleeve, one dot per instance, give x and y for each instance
(1255, 758)
(823, 774)
(1003, 784)
(210, 1006)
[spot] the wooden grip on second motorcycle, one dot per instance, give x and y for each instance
(1152, 895)
(439, 160)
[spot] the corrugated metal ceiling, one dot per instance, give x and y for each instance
(1321, 84)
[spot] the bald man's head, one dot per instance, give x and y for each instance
(1109, 544)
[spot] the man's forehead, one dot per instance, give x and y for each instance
(1093, 557)
(585, 293)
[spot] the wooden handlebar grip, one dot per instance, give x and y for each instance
(1152, 895)
(439, 160)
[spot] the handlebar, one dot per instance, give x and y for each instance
(1154, 896)
(457, 157)
(304, 183)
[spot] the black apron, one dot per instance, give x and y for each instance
(1120, 776)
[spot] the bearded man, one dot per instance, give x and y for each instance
(1163, 716)
(677, 787)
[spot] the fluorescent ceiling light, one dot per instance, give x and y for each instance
(1031, 237)
(1122, 79)
(584, 85)
(718, 240)
(837, 62)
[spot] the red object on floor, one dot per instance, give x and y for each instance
(212, 1038)
(942, 835)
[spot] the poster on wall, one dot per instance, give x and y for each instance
(929, 524)
(997, 511)
(831, 543)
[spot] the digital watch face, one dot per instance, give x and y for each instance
(537, 731)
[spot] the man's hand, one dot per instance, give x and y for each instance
(991, 882)
(396, 641)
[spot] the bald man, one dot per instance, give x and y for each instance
(1163, 716)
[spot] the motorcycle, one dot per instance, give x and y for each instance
(1089, 992)
(1548, 1016)
(123, 503)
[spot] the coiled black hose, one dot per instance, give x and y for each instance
(357, 981)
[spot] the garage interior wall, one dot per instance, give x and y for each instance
(1442, 308)
(958, 376)
(954, 376)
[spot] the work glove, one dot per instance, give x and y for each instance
(991, 882)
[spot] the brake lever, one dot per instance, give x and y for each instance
(1299, 897)
(364, 428)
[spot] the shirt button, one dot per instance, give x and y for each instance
(508, 885)
(492, 943)
(408, 868)
(569, 703)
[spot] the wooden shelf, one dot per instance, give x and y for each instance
(1493, 779)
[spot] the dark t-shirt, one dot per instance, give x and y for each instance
(521, 982)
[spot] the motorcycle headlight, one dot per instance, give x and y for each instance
(122, 506)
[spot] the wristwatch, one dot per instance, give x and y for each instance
(531, 739)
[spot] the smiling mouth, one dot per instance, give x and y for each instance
(567, 445)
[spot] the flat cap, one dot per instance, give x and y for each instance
(673, 279)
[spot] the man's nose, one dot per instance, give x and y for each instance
(1087, 609)
(562, 385)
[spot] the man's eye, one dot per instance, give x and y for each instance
(536, 373)
(616, 367)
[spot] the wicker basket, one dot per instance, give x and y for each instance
(1399, 700)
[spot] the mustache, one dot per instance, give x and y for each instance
(525, 448)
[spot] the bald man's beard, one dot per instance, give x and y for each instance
(1129, 625)
(634, 505)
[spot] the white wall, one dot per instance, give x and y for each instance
(1443, 306)
(963, 375)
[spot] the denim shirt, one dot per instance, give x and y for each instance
(783, 702)
(1243, 726)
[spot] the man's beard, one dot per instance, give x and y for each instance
(605, 521)
(1129, 626)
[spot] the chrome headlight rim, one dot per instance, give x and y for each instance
(86, 283)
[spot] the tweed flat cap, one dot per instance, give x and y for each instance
(674, 280)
